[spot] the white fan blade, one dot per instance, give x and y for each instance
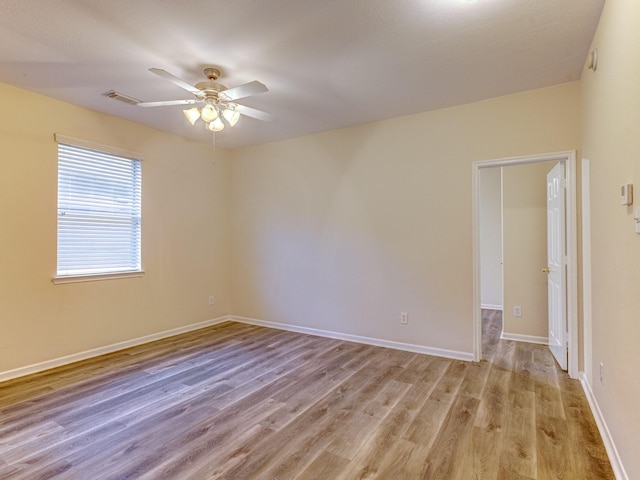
(259, 114)
(241, 91)
(169, 102)
(176, 81)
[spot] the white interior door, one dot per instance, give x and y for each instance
(557, 261)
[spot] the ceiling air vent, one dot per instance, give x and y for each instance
(122, 97)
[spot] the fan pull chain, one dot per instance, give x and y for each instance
(213, 144)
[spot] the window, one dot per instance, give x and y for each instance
(99, 190)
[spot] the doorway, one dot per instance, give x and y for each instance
(569, 162)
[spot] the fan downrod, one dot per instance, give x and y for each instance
(212, 73)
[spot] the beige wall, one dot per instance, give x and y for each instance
(344, 230)
(184, 234)
(338, 231)
(491, 238)
(611, 141)
(525, 248)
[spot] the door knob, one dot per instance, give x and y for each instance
(545, 270)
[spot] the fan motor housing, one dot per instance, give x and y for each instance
(210, 88)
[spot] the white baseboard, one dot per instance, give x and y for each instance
(488, 306)
(409, 347)
(609, 445)
(76, 357)
(516, 337)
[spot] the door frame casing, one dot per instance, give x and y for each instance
(571, 230)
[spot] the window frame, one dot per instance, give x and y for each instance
(95, 276)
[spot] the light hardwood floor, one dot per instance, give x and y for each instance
(242, 402)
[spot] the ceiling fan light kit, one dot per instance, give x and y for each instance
(219, 100)
(192, 115)
(231, 114)
(209, 113)
(215, 125)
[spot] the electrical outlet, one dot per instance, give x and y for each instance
(601, 373)
(517, 311)
(211, 300)
(404, 318)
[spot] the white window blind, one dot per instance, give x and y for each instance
(99, 196)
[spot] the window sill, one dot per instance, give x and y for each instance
(94, 278)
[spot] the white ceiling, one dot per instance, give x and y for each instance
(327, 63)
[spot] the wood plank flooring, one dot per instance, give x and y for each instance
(240, 402)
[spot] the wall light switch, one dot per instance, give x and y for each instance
(626, 194)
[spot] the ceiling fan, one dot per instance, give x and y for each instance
(219, 101)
